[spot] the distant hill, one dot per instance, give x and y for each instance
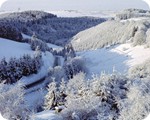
(12, 24)
(46, 26)
(132, 13)
(135, 29)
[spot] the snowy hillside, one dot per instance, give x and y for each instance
(10, 49)
(132, 13)
(113, 32)
(119, 58)
(46, 26)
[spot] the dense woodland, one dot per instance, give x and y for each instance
(46, 26)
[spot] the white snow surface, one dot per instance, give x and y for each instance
(46, 115)
(148, 117)
(1, 118)
(55, 47)
(26, 36)
(79, 13)
(120, 57)
(2, 1)
(10, 49)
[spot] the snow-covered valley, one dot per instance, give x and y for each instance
(119, 58)
(87, 78)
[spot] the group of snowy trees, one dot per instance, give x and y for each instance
(132, 13)
(74, 66)
(58, 30)
(9, 32)
(11, 71)
(12, 103)
(104, 97)
(70, 68)
(12, 24)
(136, 32)
(35, 42)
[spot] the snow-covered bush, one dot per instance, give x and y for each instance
(68, 52)
(104, 97)
(139, 38)
(50, 98)
(57, 73)
(56, 95)
(34, 42)
(12, 104)
(140, 71)
(148, 38)
(73, 66)
(137, 103)
(97, 98)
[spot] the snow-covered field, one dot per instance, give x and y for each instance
(10, 49)
(148, 117)
(120, 57)
(1, 118)
(76, 13)
(46, 115)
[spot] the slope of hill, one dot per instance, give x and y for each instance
(119, 58)
(113, 32)
(132, 13)
(46, 26)
(9, 48)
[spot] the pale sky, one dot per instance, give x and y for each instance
(73, 4)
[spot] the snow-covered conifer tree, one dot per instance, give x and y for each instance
(50, 98)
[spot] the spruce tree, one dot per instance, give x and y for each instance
(50, 98)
